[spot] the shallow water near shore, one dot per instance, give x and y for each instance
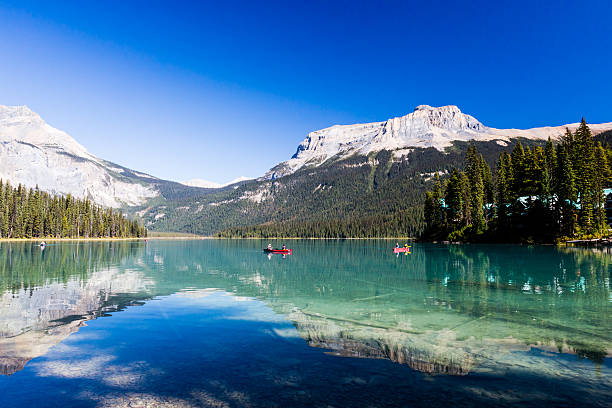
(338, 323)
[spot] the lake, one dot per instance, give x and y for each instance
(337, 323)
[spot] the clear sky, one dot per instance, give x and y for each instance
(221, 89)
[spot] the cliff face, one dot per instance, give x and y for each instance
(34, 153)
(427, 126)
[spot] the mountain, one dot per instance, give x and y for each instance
(349, 180)
(211, 184)
(425, 127)
(34, 153)
(346, 180)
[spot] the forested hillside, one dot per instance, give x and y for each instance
(361, 196)
(377, 195)
(538, 194)
(32, 214)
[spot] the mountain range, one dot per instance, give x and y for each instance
(372, 172)
(33, 153)
(425, 127)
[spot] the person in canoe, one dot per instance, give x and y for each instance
(397, 244)
(284, 247)
(269, 246)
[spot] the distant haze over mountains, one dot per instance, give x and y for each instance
(34, 153)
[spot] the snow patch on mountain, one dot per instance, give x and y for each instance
(201, 183)
(34, 153)
(211, 184)
(426, 127)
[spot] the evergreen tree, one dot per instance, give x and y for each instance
(585, 176)
(540, 192)
(601, 181)
(32, 213)
(466, 196)
(548, 179)
(518, 170)
(454, 198)
(503, 196)
(565, 190)
(476, 188)
(434, 212)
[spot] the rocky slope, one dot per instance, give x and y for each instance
(327, 184)
(343, 172)
(34, 153)
(425, 127)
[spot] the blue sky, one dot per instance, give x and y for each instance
(217, 90)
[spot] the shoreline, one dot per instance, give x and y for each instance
(97, 239)
(181, 238)
(319, 238)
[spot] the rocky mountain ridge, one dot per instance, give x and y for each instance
(427, 126)
(345, 172)
(33, 153)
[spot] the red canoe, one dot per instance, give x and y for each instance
(398, 250)
(278, 251)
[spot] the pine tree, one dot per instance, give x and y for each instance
(550, 164)
(585, 176)
(32, 213)
(518, 170)
(601, 180)
(466, 196)
(476, 187)
(503, 196)
(453, 198)
(434, 212)
(530, 185)
(489, 187)
(565, 190)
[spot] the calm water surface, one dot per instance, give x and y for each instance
(338, 323)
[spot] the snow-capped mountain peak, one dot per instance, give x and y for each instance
(20, 123)
(34, 153)
(426, 126)
(446, 117)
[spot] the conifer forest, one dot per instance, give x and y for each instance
(31, 213)
(539, 194)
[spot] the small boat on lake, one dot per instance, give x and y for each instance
(277, 251)
(398, 250)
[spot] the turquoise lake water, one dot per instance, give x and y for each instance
(337, 323)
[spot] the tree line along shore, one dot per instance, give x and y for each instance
(31, 213)
(540, 193)
(544, 194)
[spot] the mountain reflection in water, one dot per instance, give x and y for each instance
(441, 310)
(48, 295)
